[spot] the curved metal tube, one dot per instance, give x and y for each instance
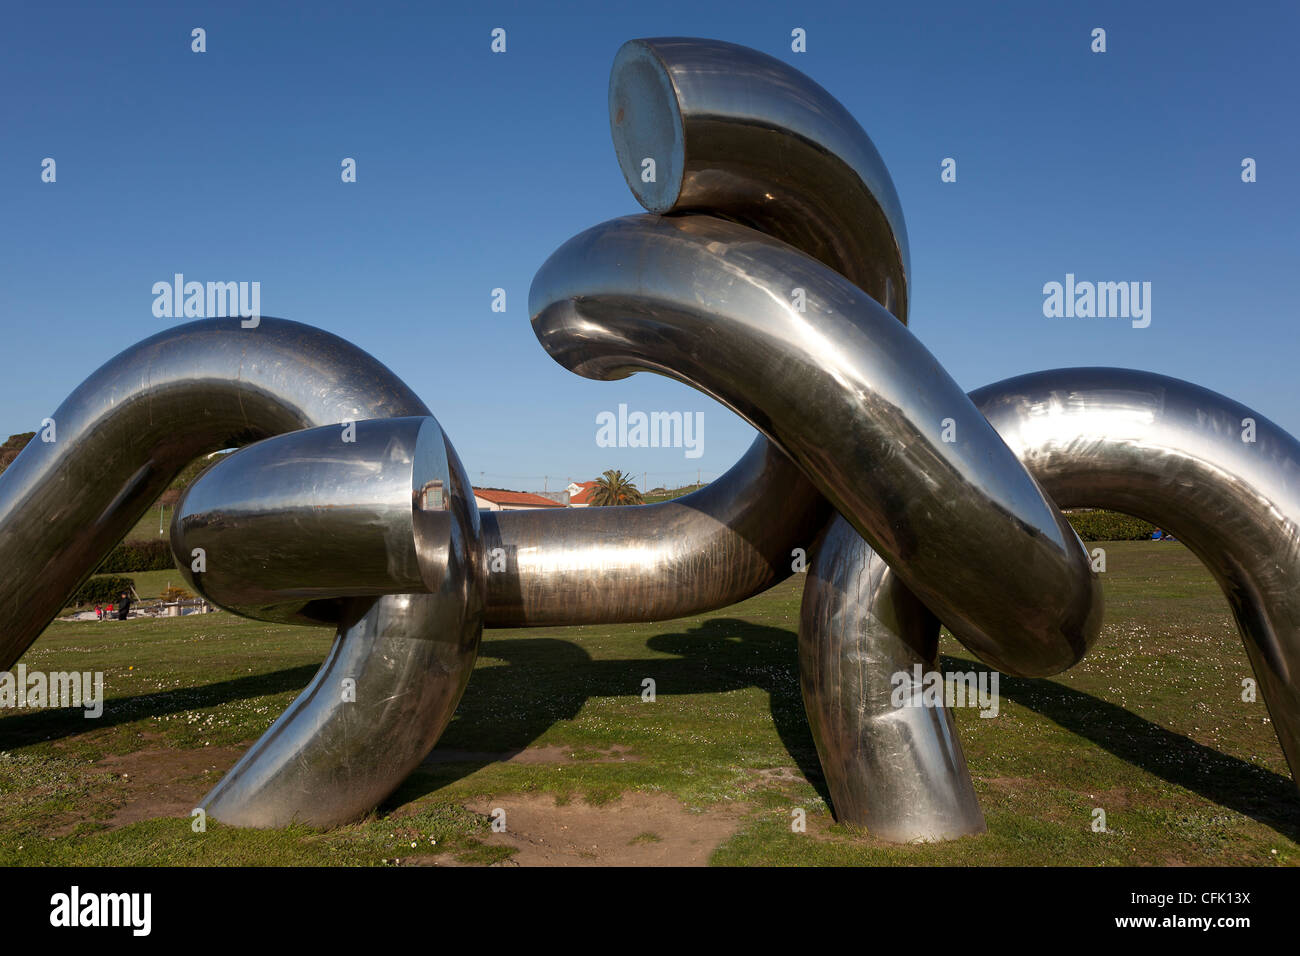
(120, 439)
(1175, 454)
(387, 690)
(373, 711)
(709, 549)
(294, 527)
(741, 135)
(808, 174)
(853, 398)
(129, 428)
(898, 772)
(1148, 445)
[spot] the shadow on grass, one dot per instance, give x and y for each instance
(35, 726)
(505, 709)
(1251, 790)
(547, 680)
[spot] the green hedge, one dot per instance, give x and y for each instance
(101, 590)
(1109, 526)
(138, 556)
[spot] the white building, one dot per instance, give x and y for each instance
(580, 493)
(489, 499)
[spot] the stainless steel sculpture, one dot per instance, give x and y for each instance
(772, 274)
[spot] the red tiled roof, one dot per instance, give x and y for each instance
(584, 496)
(516, 498)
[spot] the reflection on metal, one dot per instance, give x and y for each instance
(293, 527)
(1222, 478)
(126, 432)
(706, 550)
(772, 275)
(853, 398)
(741, 135)
(897, 771)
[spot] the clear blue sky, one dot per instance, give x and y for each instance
(474, 167)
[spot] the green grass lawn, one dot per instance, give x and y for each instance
(1151, 728)
(148, 584)
(146, 529)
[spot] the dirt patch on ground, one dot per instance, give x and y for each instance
(781, 777)
(641, 829)
(552, 753)
(165, 782)
(1115, 798)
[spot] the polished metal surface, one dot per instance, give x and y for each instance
(706, 550)
(120, 439)
(898, 772)
(131, 426)
(741, 135)
(1223, 478)
(392, 679)
(1161, 449)
(853, 398)
(752, 140)
(779, 286)
(377, 706)
(294, 526)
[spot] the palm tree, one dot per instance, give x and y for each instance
(615, 488)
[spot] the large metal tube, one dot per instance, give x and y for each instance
(744, 136)
(897, 771)
(1220, 476)
(129, 428)
(709, 549)
(124, 434)
(853, 398)
(1156, 447)
(291, 528)
(741, 135)
(383, 696)
(373, 711)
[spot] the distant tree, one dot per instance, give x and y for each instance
(12, 446)
(614, 488)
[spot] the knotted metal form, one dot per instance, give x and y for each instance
(772, 274)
